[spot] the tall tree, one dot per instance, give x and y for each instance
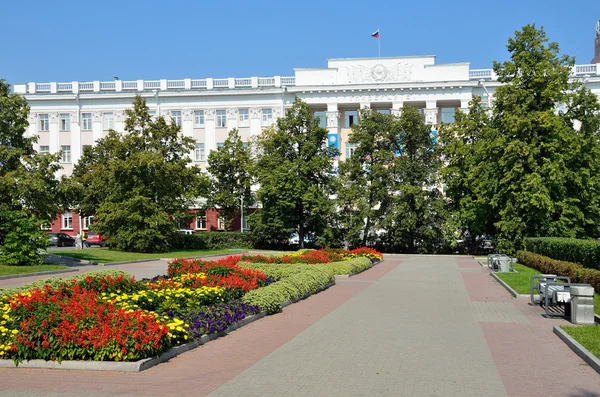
(28, 188)
(137, 184)
(293, 173)
(415, 219)
(366, 183)
(230, 168)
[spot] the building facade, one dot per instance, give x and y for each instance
(70, 115)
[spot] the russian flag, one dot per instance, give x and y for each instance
(376, 34)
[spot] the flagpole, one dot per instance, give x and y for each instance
(379, 44)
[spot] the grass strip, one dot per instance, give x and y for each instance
(587, 335)
(14, 270)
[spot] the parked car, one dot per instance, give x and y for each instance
(186, 231)
(295, 239)
(94, 238)
(61, 240)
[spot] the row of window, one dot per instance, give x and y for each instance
(351, 116)
(108, 119)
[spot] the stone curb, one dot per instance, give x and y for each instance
(581, 351)
(508, 287)
(49, 272)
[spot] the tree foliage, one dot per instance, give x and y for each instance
(230, 168)
(140, 183)
(28, 187)
(293, 173)
(535, 161)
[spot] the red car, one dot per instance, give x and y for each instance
(94, 238)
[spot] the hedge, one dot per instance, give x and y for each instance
(546, 265)
(55, 282)
(282, 270)
(584, 252)
(299, 284)
(213, 241)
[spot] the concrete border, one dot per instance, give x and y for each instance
(49, 272)
(581, 351)
(508, 287)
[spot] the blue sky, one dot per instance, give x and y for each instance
(97, 40)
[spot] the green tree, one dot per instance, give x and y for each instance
(416, 215)
(230, 168)
(28, 186)
(293, 173)
(138, 184)
(366, 183)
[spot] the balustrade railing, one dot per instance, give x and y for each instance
(199, 83)
(107, 85)
(220, 83)
(266, 81)
(175, 84)
(585, 69)
(88, 86)
(243, 83)
(64, 87)
(130, 85)
(151, 84)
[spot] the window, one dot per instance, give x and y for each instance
(67, 220)
(46, 226)
(109, 122)
(65, 122)
(245, 224)
(176, 117)
(350, 148)
(267, 116)
(322, 119)
(447, 115)
(44, 122)
(244, 118)
(220, 223)
(350, 118)
(422, 113)
(87, 121)
(87, 221)
(200, 152)
(221, 118)
(66, 154)
(383, 111)
(44, 149)
(201, 222)
(199, 119)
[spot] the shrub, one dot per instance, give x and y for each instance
(546, 265)
(583, 252)
(310, 280)
(213, 240)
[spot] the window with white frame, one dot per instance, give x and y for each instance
(199, 119)
(109, 121)
(448, 115)
(322, 118)
(200, 152)
(65, 122)
(245, 224)
(221, 118)
(350, 118)
(87, 121)
(176, 117)
(201, 222)
(66, 154)
(350, 148)
(44, 122)
(220, 223)
(67, 220)
(267, 116)
(87, 221)
(46, 226)
(244, 118)
(44, 149)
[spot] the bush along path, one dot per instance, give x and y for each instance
(109, 316)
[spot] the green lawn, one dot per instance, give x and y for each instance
(587, 335)
(519, 281)
(106, 255)
(11, 270)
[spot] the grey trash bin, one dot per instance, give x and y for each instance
(582, 304)
(504, 263)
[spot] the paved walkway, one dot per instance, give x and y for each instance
(411, 326)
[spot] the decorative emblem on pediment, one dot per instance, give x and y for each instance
(187, 114)
(232, 113)
(255, 113)
(379, 73)
(97, 117)
(332, 118)
(53, 117)
(209, 114)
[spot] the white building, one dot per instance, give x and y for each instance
(68, 116)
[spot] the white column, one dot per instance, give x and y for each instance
(210, 138)
(233, 117)
(397, 108)
(255, 121)
(464, 105)
(96, 126)
(75, 137)
(53, 133)
(365, 105)
(119, 117)
(333, 122)
(431, 113)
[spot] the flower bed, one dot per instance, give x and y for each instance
(325, 255)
